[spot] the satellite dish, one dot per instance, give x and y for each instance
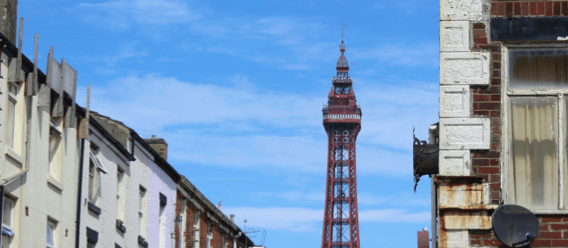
(514, 226)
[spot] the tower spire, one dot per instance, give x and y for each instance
(342, 122)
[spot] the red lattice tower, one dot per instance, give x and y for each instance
(342, 122)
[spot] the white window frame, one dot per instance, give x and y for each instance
(142, 210)
(13, 98)
(196, 226)
(54, 130)
(9, 200)
(53, 225)
(119, 191)
(94, 182)
(506, 135)
(209, 233)
(162, 226)
(97, 161)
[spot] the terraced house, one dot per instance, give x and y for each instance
(503, 120)
(87, 179)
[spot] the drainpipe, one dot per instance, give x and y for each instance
(434, 193)
(1, 208)
(83, 136)
(78, 226)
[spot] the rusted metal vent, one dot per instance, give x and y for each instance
(514, 226)
(425, 159)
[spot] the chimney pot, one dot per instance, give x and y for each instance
(153, 136)
(232, 218)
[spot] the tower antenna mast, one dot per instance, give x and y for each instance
(342, 25)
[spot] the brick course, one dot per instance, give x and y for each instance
(486, 102)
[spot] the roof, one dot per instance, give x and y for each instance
(27, 64)
(185, 183)
(81, 113)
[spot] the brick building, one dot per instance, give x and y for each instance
(503, 121)
(200, 224)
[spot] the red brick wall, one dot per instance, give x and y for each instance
(216, 242)
(203, 229)
(189, 216)
(229, 241)
(528, 8)
(553, 233)
(487, 103)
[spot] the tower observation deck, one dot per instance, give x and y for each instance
(342, 122)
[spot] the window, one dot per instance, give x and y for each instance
(7, 214)
(162, 225)
(51, 234)
(142, 211)
(182, 236)
(90, 245)
(119, 192)
(55, 160)
(11, 121)
(94, 177)
(95, 169)
(196, 225)
(209, 234)
(537, 128)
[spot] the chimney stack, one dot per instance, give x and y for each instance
(423, 238)
(159, 145)
(9, 19)
(232, 218)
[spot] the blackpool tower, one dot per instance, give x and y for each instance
(342, 122)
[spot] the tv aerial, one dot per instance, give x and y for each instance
(514, 226)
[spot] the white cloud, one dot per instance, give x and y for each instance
(127, 51)
(309, 220)
(257, 152)
(390, 111)
(394, 216)
(425, 54)
(230, 125)
(401, 199)
(153, 102)
(123, 13)
(296, 196)
(363, 198)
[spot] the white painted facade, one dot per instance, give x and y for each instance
(45, 196)
(116, 190)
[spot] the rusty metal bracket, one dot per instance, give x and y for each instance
(425, 159)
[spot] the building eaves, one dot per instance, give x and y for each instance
(162, 163)
(81, 113)
(157, 158)
(186, 184)
(27, 64)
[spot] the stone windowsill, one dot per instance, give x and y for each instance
(54, 182)
(12, 154)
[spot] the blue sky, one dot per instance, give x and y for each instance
(236, 88)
